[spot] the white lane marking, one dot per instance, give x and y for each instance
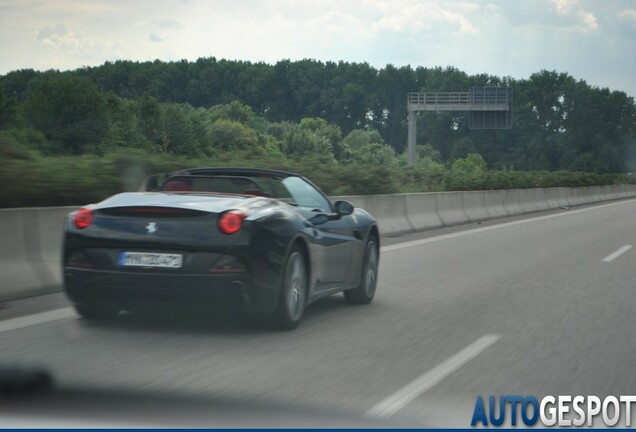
(493, 227)
(39, 318)
(408, 393)
(611, 257)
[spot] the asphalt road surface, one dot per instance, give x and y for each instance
(532, 306)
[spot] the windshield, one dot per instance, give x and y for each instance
(292, 190)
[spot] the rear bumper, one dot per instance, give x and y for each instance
(134, 289)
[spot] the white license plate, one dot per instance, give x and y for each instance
(149, 259)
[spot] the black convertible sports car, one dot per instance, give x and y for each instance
(261, 241)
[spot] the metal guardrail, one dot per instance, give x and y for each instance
(438, 98)
(459, 98)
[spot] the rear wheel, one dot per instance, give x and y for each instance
(95, 311)
(293, 293)
(363, 293)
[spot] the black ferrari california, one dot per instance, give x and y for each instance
(260, 241)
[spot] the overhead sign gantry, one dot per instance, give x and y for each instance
(487, 108)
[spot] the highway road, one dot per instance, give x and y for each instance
(533, 306)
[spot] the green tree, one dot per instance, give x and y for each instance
(230, 135)
(149, 113)
(473, 163)
(178, 136)
(70, 111)
(125, 130)
(7, 109)
(463, 147)
(298, 141)
(368, 147)
(427, 151)
(235, 111)
(331, 133)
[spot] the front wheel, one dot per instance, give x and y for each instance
(293, 293)
(363, 293)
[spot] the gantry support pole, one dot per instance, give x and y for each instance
(412, 132)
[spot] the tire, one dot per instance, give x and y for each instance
(363, 293)
(95, 312)
(293, 293)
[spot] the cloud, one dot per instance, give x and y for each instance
(64, 44)
(171, 24)
(153, 37)
(62, 38)
(156, 26)
(415, 17)
(338, 22)
(628, 15)
(572, 13)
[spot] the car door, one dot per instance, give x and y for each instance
(333, 238)
(337, 238)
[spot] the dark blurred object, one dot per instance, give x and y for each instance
(133, 176)
(112, 408)
(20, 379)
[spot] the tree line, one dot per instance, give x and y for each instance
(349, 111)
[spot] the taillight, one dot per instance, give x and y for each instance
(231, 222)
(83, 218)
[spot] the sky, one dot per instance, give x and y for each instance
(593, 40)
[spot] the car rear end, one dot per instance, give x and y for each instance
(171, 252)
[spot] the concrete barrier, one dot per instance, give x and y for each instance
(494, 201)
(475, 206)
(596, 194)
(565, 194)
(30, 265)
(390, 212)
(51, 225)
(588, 195)
(421, 211)
(610, 192)
(450, 208)
(578, 197)
(552, 198)
(31, 239)
(539, 197)
(528, 201)
(512, 202)
(627, 191)
(19, 278)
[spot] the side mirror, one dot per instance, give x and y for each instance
(343, 208)
(319, 219)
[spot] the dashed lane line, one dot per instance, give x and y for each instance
(421, 384)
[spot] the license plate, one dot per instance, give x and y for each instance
(149, 259)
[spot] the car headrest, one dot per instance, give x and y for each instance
(257, 192)
(176, 186)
